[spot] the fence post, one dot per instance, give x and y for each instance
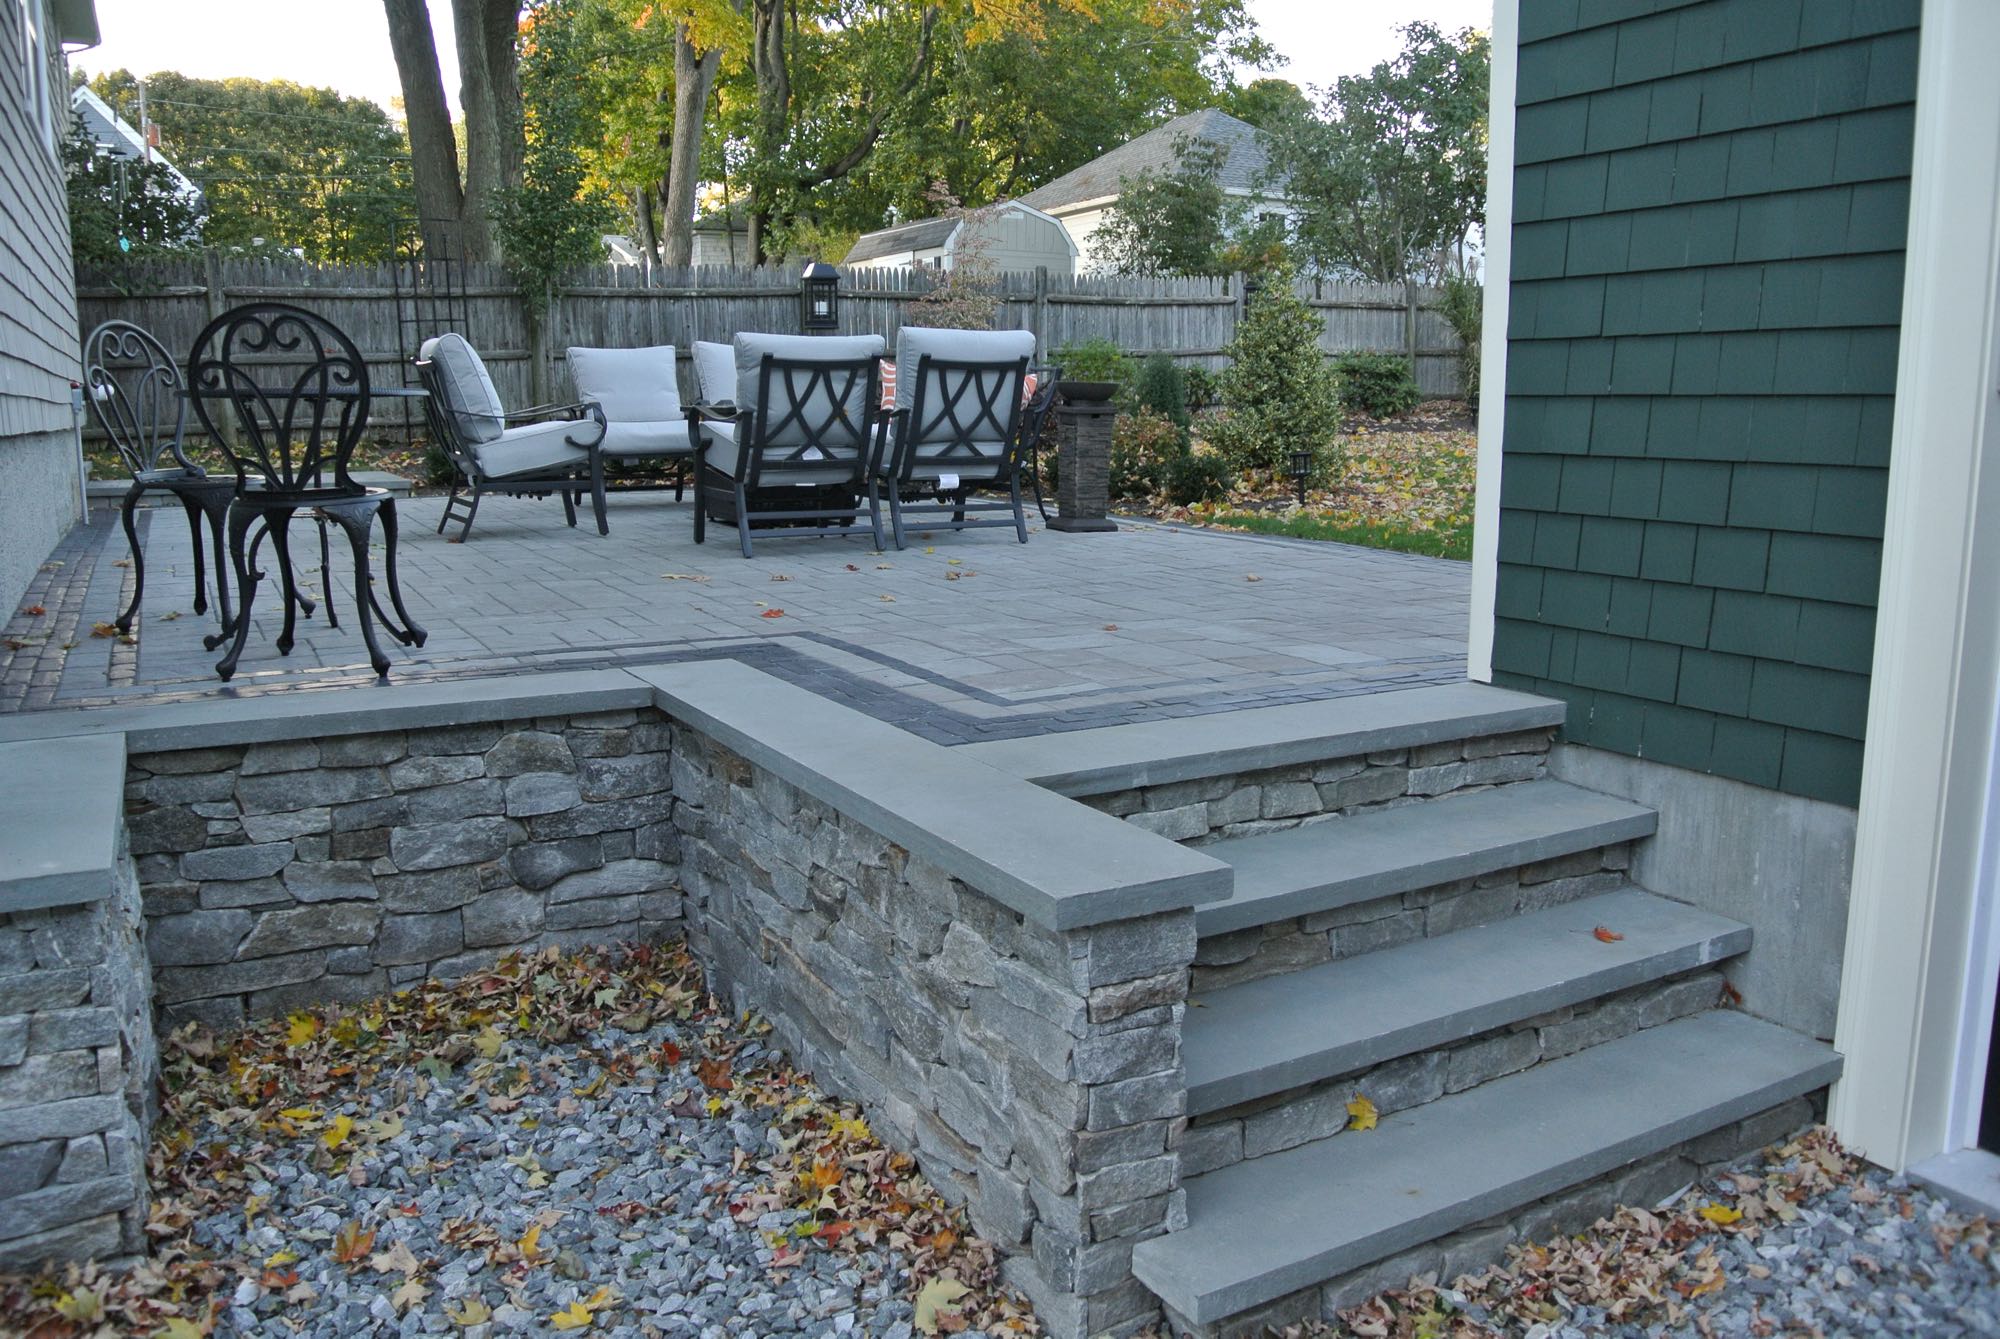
(1410, 319)
(1038, 314)
(1238, 284)
(211, 274)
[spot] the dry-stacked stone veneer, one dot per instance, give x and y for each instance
(280, 874)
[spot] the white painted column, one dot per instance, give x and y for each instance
(1493, 336)
(1923, 814)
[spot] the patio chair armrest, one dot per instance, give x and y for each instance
(543, 412)
(721, 411)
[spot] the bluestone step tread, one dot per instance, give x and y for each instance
(1151, 753)
(1261, 1229)
(1262, 1037)
(1358, 857)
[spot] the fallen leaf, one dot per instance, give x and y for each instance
(853, 567)
(530, 1244)
(1252, 576)
(386, 1128)
(1606, 935)
(683, 576)
(779, 576)
(412, 1293)
(398, 1259)
(82, 1306)
(472, 1311)
(714, 1075)
(772, 613)
(575, 1316)
(1111, 627)
(178, 1327)
(488, 1041)
(1721, 1214)
(936, 1300)
(887, 599)
(351, 1244)
(1361, 1113)
(103, 630)
(336, 1134)
(300, 1028)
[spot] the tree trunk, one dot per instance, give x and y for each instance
(694, 75)
(774, 105)
(649, 233)
(490, 92)
(433, 146)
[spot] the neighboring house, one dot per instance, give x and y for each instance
(622, 250)
(40, 469)
(1012, 235)
(723, 237)
(1079, 198)
(115, 135)
(1739, 505)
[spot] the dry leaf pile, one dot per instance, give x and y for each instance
(1638, 1266)
(282, 1085)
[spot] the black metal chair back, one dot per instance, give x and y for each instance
(440, 414)
(963, 414)
(134, 389)
(298, 391)
(811, 419)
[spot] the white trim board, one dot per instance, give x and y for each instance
(1499, 233)
(1924, 782)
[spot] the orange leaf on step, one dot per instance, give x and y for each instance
(1606, 935)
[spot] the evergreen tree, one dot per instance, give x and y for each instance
(1278, 390)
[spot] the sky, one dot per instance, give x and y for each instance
(345, 43)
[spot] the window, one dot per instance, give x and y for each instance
(35, 52)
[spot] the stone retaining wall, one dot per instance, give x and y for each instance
(1037, 1073)
(284, 874)
(1209, 809)
(78, 1073)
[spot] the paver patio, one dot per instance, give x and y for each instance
(960, 637)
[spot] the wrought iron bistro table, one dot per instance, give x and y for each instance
(272, 486)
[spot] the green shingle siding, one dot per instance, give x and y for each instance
(1710, 210)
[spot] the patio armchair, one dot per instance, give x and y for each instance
(525, 453)
(957, 427)
(134, 391)
(645, 426)
(796, 446)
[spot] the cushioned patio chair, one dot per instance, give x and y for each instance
(526, 453)
(957, 427)
(796, 445)
(646, 429)
(134, 392)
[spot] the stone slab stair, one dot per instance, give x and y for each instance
(1618, 1052)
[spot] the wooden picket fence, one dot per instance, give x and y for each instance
(623, 306)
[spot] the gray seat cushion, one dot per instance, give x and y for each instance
(474, 404)
(855, 412)
(536, 448)
(659, 439)
(630, 385)
(714, 372)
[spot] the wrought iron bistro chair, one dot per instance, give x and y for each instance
(298, 392)
(798, 444)
(526, 453)
(134, 390)
(957, 426)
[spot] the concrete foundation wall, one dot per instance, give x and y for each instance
(1779, 863)
(39, 501)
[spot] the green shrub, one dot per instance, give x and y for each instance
(1279, 392)
(439, 468)
(1203, 390)
(1464, 308)
(1199, 476)
(1380, 385)
(1096, 359)
(1144, 449)
(1162, 387)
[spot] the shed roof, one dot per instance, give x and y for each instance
(922, 235)
(1244, 161)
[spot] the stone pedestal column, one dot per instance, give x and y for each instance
(1083, 478)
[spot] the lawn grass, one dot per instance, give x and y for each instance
(1449, 542)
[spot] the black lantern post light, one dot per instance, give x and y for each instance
(1302, 463)
(819, 298)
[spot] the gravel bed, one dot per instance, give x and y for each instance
(1804, 1241)
(631, 1187)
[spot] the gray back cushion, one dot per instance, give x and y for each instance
(475, 404)
(856, 411)
(714, 371)
(632, 385)
(998, 347)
